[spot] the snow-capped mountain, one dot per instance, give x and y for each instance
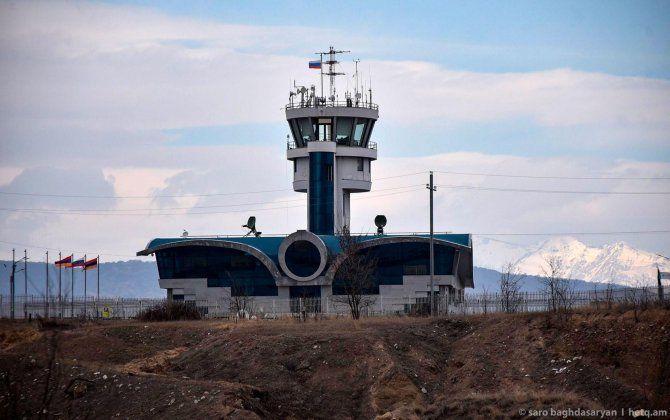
(617, 262)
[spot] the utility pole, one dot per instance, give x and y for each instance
(60, 296)
(72, 289)
(46, 291)
(11, 284)
(85, 296)
(431, 188)
(659, 276)
(25, 284)
(97, 269)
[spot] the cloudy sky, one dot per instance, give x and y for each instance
(125, 121)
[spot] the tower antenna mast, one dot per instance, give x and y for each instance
(331, 69)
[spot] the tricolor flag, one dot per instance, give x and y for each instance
(315, 65)
(78, 263)
(91, 264)
(65, 262)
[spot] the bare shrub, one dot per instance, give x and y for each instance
(170, 311)
(241, 303)
(354, 275)
(510, 288)
(485, 299)
(556, 286)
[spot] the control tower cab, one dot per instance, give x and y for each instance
(331, 147)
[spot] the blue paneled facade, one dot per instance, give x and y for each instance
(393, 261)
(321, 193)
(249, 266)
(222, 267)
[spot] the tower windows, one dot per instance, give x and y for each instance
(359, 130)
(324, 129)
(360, 164)
(305, 130)
(343, 131)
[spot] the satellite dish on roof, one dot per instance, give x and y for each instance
(184, 234)
(251, 225)
(380, 222)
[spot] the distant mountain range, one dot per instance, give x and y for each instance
(618, 262)
(587, 266)
(132, 278)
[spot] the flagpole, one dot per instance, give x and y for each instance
(97, 267)
(60, 275)
(46, 291)
(25, 284)
(85, 295)
(72, 288)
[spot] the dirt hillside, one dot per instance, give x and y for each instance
(487, 366)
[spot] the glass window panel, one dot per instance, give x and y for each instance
(324, 132)
(343, 130)
(222, 267)
(366, 140)
(358, 132)
(295, 132)
(306, 129)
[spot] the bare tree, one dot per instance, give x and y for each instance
(557, 287)
(609, 293)
(241, 303)
(354, 274)
(485, 296)
(510, 287)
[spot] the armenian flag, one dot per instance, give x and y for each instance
(79, 263)
(65, 262)
(315, 65)
(91, 264)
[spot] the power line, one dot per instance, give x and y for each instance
(61, 249)
(158, 212)
(400, 176)
(629, 232)
(57, 211)
(558, 177)
(31, 194)
(140, 196)
(521, 190)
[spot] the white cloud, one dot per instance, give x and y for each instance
(112, 67)
(91, 86)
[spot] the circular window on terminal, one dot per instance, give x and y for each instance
(302, 258)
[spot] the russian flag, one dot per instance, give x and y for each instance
(79, 263)
(315, 65)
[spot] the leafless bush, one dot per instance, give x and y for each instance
(485, 299)
(558, 288)
(510, 288)
(354, 275)
(170, 311)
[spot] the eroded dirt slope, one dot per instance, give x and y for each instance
(489, 366)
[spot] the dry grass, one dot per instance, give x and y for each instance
(395, 367)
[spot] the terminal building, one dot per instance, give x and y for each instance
(332, 152)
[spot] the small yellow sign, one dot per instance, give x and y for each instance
(106, 312)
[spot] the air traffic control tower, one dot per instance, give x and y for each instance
(332, 151)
